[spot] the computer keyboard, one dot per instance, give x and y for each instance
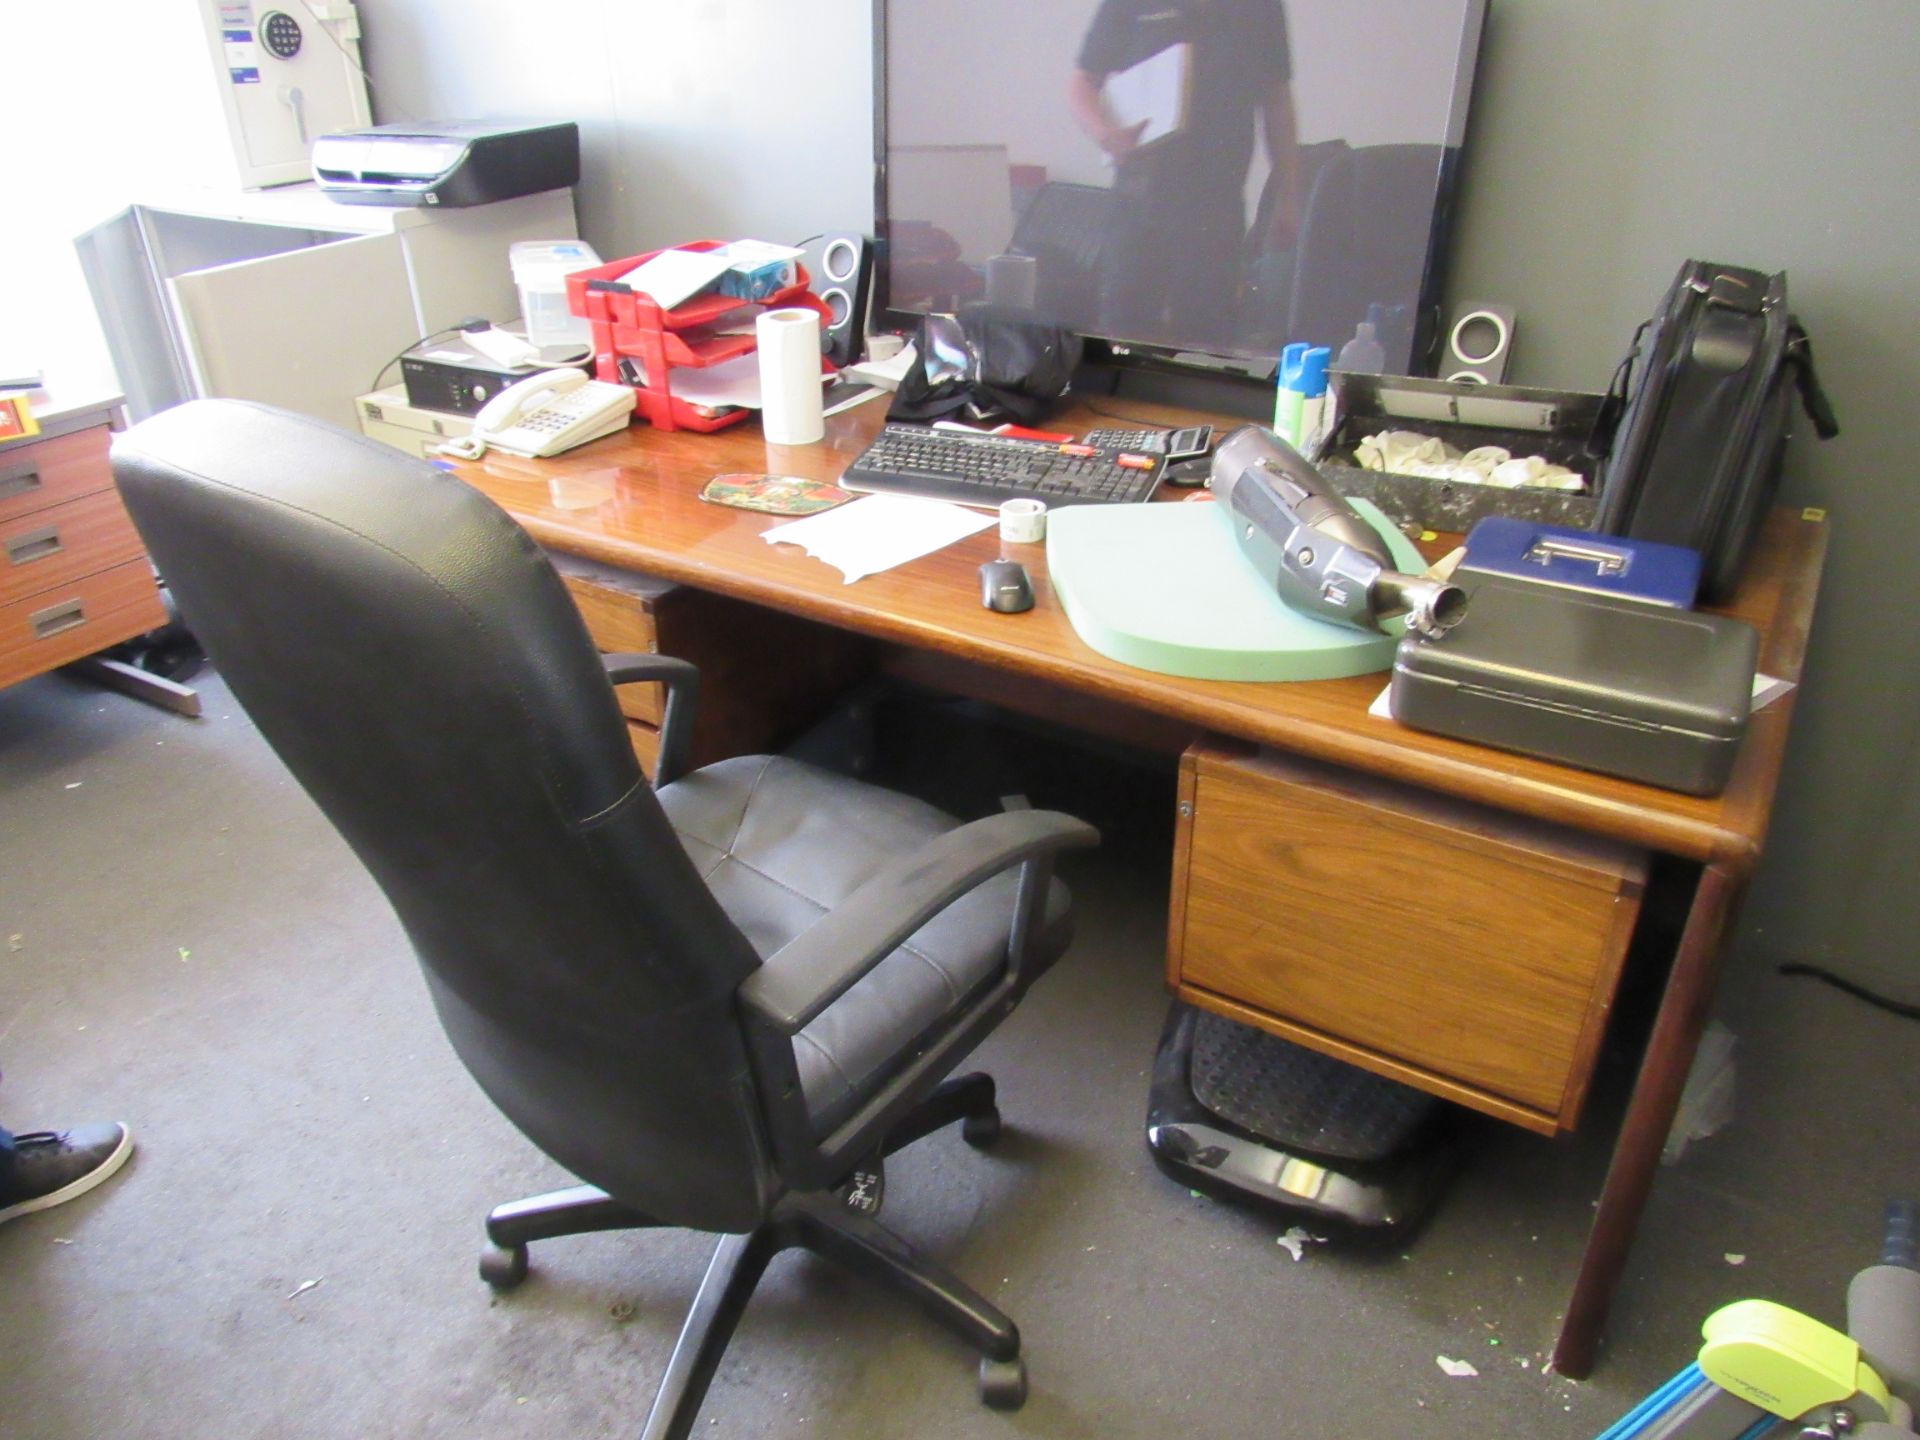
(978, 469)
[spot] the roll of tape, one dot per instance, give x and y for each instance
(1022, 522)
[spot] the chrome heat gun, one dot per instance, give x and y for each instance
(1314, 548)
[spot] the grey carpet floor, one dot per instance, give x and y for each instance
(291, 1252)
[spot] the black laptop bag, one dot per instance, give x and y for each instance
(1696, 458)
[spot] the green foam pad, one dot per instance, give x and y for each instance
(1165, 588)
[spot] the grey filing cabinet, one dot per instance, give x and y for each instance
(287, 297)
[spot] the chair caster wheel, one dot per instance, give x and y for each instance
(1003, 1383)
(981, 1131)
(503, 1266)
(865, 1190)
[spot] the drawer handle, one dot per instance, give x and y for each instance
(31, 545)
(19, 480)
(56, 618)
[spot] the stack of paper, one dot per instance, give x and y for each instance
(880, 532)
(675, 276)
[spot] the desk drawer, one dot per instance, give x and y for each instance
(55, 626)
(619, 611)
(1450, 946)
(39, 473)
(764, 676)
(646, 745)
(56, 546)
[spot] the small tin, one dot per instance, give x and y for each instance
(1584, 560)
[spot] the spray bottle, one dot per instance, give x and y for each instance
(1288, 396)
(1313, 390)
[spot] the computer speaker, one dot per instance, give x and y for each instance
(1478, 344)
(840, 267)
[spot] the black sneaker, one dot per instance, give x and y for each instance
(52, 1168)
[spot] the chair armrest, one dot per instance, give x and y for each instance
(822, 964)
(682, 681)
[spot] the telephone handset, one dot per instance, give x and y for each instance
(546, 413)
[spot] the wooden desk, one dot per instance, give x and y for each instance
(631, 501)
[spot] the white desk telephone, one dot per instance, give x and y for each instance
(546, 413)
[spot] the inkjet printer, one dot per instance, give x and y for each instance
(447, 162)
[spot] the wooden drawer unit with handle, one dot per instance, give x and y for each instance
(763, 675)
(1441, 943)
(42, 632)
(50, 548)
(74, 578)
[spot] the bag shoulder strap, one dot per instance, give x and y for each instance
(1800, 356)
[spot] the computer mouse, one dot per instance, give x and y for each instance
(1004, 586)
(1188, 472)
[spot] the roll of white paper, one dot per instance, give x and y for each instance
(790, 376)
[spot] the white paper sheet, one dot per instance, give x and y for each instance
(867, 536)
(731, 382)
(1766, 690)
(887, 374)
(676, 275)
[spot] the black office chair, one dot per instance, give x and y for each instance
(1063, 228)
(718, 1004)
(1366, 238)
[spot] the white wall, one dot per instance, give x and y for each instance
(91, 128)
(699, 118)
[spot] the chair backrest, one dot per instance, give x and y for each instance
(415, 660)
(1366, 237)
(1064, 227)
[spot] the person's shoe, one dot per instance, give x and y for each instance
(50, 1168)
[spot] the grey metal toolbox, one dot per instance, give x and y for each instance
(1643, 691)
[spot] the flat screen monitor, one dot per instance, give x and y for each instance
(1200, 181)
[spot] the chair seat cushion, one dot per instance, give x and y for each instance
(780, 843)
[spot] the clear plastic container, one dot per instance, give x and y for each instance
(540, 270)
(1364, 351)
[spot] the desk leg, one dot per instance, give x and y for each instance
(1650, 1112)
(141, 684)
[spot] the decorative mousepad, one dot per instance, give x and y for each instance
(774, 494)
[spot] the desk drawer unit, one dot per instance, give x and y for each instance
(74, 577)
(1450, 946)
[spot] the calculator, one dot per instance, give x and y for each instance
(1178, 444)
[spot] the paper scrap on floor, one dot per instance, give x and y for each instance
(879, 532)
